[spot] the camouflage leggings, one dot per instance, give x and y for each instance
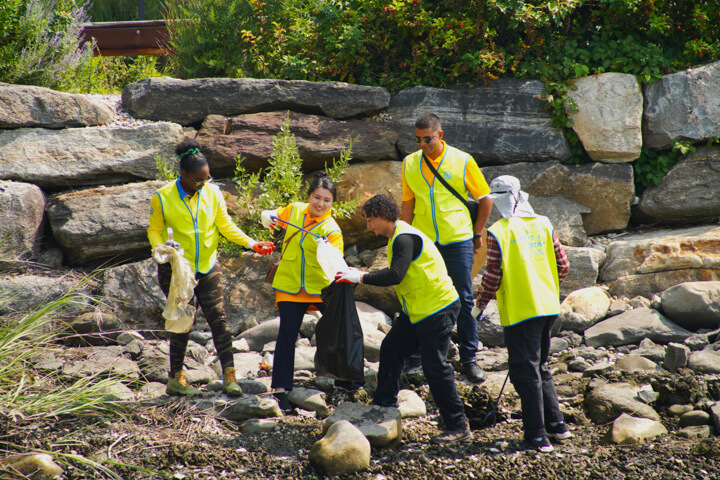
(209, 292)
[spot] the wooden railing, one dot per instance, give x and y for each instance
(148, 37)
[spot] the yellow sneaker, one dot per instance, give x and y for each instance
(230, 385)
(178, 385)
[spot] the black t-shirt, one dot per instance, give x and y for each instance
(406, 248)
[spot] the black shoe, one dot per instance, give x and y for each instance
(541, 444)
(283, 402)
(463, 434)
(474, 373)
(347, 386)
(559, 432)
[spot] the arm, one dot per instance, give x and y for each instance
(157, 222)
(404, 250)
(228, 228)
(563, 264)
(407, 211)
(493, 273)
(484, 208)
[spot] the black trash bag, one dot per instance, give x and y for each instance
(339, 336)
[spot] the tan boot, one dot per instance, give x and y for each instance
(230, 385)
(177, 385)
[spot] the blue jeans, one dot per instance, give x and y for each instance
(528, 345)
(431, 337)
(459, 261)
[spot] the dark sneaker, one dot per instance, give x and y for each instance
(283, 402)
(347, 386)
(463, 434)
(541, 444)
(473, 372)
(559, 432)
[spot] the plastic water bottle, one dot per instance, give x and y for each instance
(172, 243)
(330, 259)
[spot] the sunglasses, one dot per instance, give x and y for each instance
(202, 181)
(426, 139)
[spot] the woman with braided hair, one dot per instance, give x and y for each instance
(195, 209)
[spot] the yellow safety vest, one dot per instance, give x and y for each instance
(529, 286)
(426, 288)
(299, 267)
(193, 228)
(438, 213)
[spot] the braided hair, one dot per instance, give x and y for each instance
(190, 156)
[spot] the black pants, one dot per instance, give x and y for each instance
(431, 337)
(528, 345)
(209, 292)
(291, 317)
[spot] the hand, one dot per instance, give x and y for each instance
(269, 218)
(351, 276)
(264, 248)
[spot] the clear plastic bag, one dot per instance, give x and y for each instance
(330, 258)
(179, 315)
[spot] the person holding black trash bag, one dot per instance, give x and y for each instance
(430, 306)
(195, 209)
(524, 269)
(300, 279)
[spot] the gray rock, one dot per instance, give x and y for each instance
(257, 337)
(119, 392)
(247, 364)
(305, 358)
(629, 430)
(154, 362)
(585, 265)
(382, 298)
(258, 425)
(607, 189)
(133, 292)
(309, 322)
(502, 122)
(715, 413)
(617, 306)
(583, 308)
(92, 328)
(694, 418)
(253, 406)
(371, 380)
(382, 426)
(89, 156)
(705, 361)
(694, 432)
(578, 365)
(558, 345)
(493, 360)
(23, 293)
(682, 106)
(190, 101)
(608, 118)
(92, 361)
(410, 404)
(31, 106)
(651, 262)
(22, 208)
(607, 401)
(308, 399)
(697, 341)
(597, 369)
(240, 346)
(636, 363)
(693, 305)
(343, 450)
(649, 350)
(102, 222)
(676, 356)
(490, 332)
(319, 140)
(152, 390)
(647, 395)
(632, 326)
(678, 410)
(372, 340)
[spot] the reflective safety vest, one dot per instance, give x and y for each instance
(438, 213)
(299, 267)
(529, 286)
(194, 228)
(426, 288)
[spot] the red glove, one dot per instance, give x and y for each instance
(264, 248)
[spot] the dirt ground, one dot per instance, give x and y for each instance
(170, 438)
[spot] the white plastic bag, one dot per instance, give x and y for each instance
(330, 259)
(179, 315)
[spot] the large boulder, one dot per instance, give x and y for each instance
(627, 430)
(190, 101)
(607, 189)
(56, 159)
(102, 222)
(382, 298)
(343, 450)
(583, 308)
(38, 107)
(608, 118)
(23, 293)
(651, 262)
(22, 209)
(502, 122)
(687, 193)
(319, 140)
(635, 325)
(693, 305)
(382, 426)
(585, 265)
(362, 181)
(133, 293)
(607, 401)
(682, 106)
(705, 361)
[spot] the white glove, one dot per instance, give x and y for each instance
(269, 218)
(350, 276)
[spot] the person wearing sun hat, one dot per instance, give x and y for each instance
(524, 269)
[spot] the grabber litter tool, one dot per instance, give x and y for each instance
(293, 225)
(491, 418)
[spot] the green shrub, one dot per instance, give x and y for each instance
(109, 75)
(124, 10)
(280, 184)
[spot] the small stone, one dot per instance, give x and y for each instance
(258, 425)
(694, 418)
(697, 431)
